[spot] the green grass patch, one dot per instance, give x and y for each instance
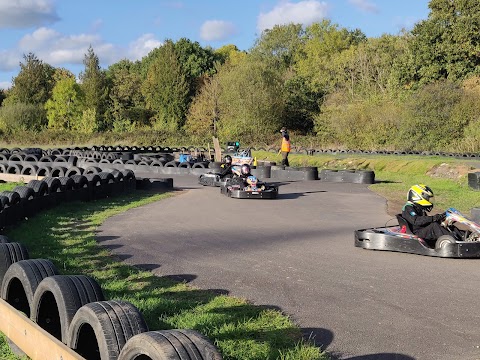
(66, 235)
(396, 174)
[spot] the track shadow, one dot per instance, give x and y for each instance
(297, 195)
(148, 267)
(381, 356)
(386, 182)
(319, 336)
(102, 238)
(186, 278)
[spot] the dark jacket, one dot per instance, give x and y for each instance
(226, 170)
(416, 216)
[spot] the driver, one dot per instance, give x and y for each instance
(226, 167)
(415, 213)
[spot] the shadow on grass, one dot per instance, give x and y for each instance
(66, 236)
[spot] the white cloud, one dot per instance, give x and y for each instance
(56, 49)
(304, 12)
(365, 5)
(142, 46)
(217, 30)
(20, 14)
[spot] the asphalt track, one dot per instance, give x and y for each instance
(296, 253)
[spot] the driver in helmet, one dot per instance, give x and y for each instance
(226, 167)
(420, 202)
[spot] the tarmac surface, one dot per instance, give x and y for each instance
(297, 254)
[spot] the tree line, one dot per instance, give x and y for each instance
(331, 86)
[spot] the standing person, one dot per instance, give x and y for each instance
(285, 149)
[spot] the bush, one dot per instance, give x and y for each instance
(21, 116)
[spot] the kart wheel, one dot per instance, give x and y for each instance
(444, 241)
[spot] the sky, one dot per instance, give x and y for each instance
(59, 32)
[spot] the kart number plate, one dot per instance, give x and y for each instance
(254, 192)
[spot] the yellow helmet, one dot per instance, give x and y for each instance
(421, 195)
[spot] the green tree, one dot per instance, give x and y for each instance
(204, 111)
(3, 95)
(280, 46)
(447, 44)
(95, 89)
(33, 84)
(251, 101)
(127, 104)
(323, 42)
(66, 105)
(166, 89)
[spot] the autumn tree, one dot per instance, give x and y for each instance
(65, 107)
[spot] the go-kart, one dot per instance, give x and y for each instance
(252, 189)
(213, 179)
(462, 242)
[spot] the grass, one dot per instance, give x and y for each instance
(66, 235)
(396, 174)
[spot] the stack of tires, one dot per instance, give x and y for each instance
(73, 309)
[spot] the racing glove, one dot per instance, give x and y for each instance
(439, 217)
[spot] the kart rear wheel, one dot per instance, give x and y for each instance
(444, 241)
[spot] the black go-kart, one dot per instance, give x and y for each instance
(254, 189)
(460, 244)
(213, 179)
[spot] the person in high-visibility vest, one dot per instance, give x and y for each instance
(285, 149)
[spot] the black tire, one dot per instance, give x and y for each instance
(25, 192)
(58, 171)
(58, 298)
(73, 170)
(66, 183)
(80, 181)
(171, 345)
(29, 169)
(128, 175)
(106, 177)
(92, 170)
(111, 324)
(11, 253)
(4, 239)
(53, 183)
(93, 180)
(172, 163)
(39, 186)
(44, 170)
(14, 169)
(13, 197)
(4, 201)
(22, 279)
(444, 241)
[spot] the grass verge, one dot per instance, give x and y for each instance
(66, 235)
(396, 174)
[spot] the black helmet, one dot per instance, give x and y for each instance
(227, 159)
(421, 195)
(245, 169)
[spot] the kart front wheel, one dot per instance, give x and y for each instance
(444, 241)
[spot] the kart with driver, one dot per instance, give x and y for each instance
(463, 240)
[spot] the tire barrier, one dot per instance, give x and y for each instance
(57, 300)
(169, 344)
(11, 253)
(21, 280)
(72, 308)
(101, 329)
(350, 176)
(474, 180)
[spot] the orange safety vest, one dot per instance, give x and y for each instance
(285, 144)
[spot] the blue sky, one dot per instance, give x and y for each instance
(59, 32)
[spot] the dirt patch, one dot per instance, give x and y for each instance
(449, 171)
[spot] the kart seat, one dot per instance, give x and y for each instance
(404, 225)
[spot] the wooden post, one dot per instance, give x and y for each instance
(31, 338)
(218, 151)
